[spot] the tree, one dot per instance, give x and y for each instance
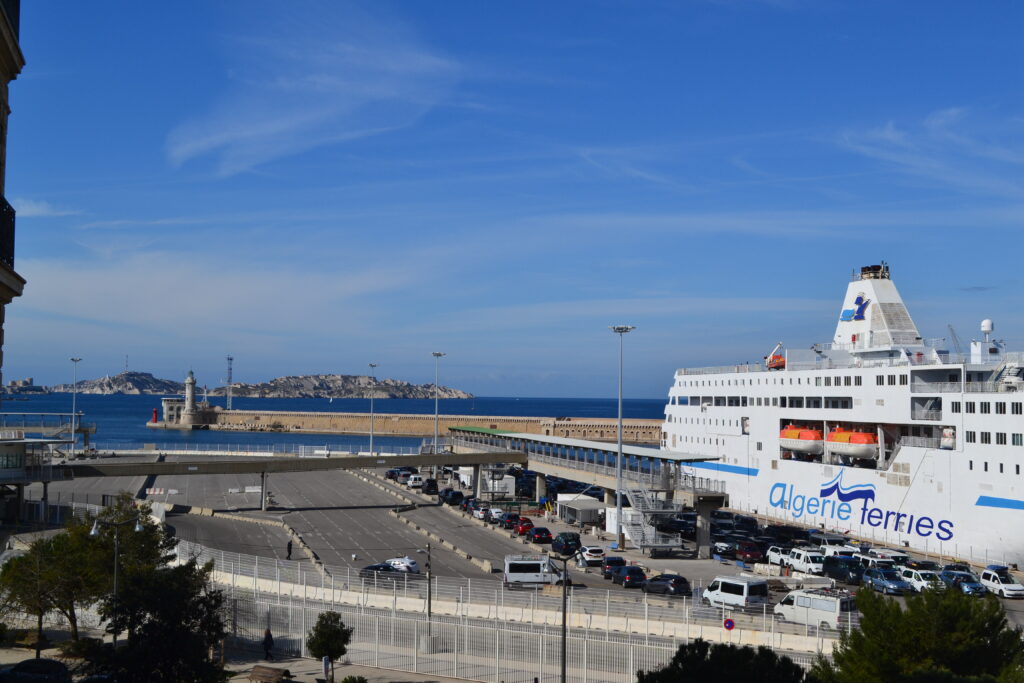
(329, 638)
(75, 572)
(24, 584)
(173, 617)
(942, 636)
(701, 660)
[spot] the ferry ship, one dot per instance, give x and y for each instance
(881, 434)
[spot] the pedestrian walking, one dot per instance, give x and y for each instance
(289, 551)
(268, 645)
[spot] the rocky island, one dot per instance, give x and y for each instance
(299, 386)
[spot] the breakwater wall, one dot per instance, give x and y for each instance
(396, 424)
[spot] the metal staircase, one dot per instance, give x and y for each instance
(640, 529)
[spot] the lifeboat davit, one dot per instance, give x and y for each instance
(852, 443)
(801, 440)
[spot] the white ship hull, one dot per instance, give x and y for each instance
(964, 499)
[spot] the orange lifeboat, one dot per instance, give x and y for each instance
(853, 443)
(776, 362)
(801, 440)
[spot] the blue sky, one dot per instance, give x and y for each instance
(313, 186)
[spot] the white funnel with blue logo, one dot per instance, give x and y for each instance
(873, 315)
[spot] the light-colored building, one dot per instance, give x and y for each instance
(11, 63)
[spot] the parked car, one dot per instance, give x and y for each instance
(539, 534)
(745, 523)
(667, 584)
(380, 573)
(443, 494)
(843, 569)
(524, 525)
(480, 512)
(392, 473)
(493, 515)
(629, 576)
(722, 514)
(590, 555)
(454, 498)
(777, 554)
(922, 579)
(610, 564)
(747, 551)
(997, 579)
(965, 582)
(736, 591)
(566, 543)
(404, 564)
(48, 670)
(958, 567)
(429, 486)
(508, 520)
(672, 526)
(924, 564)
(885, 581)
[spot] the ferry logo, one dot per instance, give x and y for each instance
(855, 313)
(865, 492)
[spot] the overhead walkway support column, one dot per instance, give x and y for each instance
(263, 491)
(541, 484)
(476, 480)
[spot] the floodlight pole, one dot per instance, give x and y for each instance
(373, 366)
(437, 356)
(74, 406)
(620, 330)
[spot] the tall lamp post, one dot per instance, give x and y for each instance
(373, 366)
(566, 582)
(620, 538)
(116, 526)
(74, 406)
(437, 357)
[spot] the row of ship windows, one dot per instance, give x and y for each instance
(986, 438)
(704, 440)
(839, 402)
(970, 466)
(985, 407)
(828, 381)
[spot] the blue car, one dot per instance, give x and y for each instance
(886, 581)
(964, 580)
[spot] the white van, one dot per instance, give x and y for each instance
(806, 560)
(872, 562)
(415, 481)
(531, 570)
(897, 556)
(823, 607)
(842, 550)
(736, 591)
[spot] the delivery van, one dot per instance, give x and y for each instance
(736, 591)
(523, 571)
(821, 607)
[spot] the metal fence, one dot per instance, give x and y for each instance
(300, 450)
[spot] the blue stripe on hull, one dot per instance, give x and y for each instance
(718, 467)
(992, 502)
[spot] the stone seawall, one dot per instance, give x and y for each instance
(393, 424)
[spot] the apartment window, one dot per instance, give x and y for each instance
(986, 437)
(970, 437)
(1015, 408)
(904, 380)
(880, 380)
(1017, 439)
(858, 380)
(986, 407)
(892, 380)
(954, 407)
(969, 407)
(1000, 438)
(1000, 408)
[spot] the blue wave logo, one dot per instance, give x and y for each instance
(865, 492)
(857, 313)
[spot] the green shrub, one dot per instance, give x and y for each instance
(354, 679)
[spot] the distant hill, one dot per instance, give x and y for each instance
(302, 386)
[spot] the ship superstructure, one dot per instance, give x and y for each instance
(881, 433)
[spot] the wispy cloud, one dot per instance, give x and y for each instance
(942, 150)
(333, 75)
(31, 208)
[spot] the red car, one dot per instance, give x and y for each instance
(538, 534)
(524, 525)
(748, 552)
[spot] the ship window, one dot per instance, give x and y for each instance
(796, 402)
(986, 437)
(954, 406)
(1018, 469)
(858, 381)
(1000, 438)
(986, 407)
(1000, 468)
(904, 380)
(847, 381)
(817, 381)
(1000, 408)
(970, 464)
(782, 401)
(880, 380)
(986, 465)
(969, 407)
(828, 381)
(775, 401)
(813, 401)
(1015, 408)
(743, 401)
(892, 380)
(1018, 439)
(970, 437)
(758, 445)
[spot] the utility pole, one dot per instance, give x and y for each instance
(620, 538)
(437, 356)
(227, 392)
(74, 407)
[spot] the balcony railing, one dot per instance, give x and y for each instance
(6, 233)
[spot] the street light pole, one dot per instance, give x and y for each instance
(116, 526)
(565, 611)
(74, 406)
(620, 330)
(373, 366)
(437, 356)
(430, 594)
